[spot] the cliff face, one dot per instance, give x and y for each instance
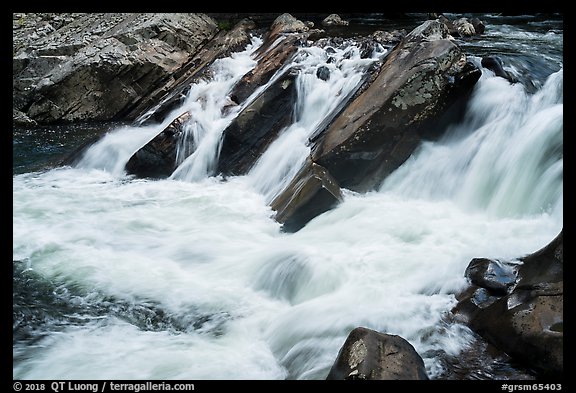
(98, 67)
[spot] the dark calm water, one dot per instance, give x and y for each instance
(190, 278)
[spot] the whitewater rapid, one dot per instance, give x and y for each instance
(190, 278)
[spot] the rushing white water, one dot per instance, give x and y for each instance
(317, 100)
(210, 111)
(509, 147)
(198, 281)
(207, 102)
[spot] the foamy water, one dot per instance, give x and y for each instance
(191, 278)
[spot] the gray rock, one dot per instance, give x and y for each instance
(168, 95)
(334, 20)
(20, 119)
(464, 28)
(98, 66)
(286, 23)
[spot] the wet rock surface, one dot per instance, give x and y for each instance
(524, 317)
(379, 130)
(371, 355)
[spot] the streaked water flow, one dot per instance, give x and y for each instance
(190, 277)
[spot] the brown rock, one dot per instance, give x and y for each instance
(379, 129)
(527, 323)
(368, 354)
(312, 192)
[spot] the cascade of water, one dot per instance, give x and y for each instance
(205, 102)
(317, 100)
(504, 158)
(121, 278)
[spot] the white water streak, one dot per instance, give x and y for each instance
(271, 305)
(317, 99)
(206, 101)
(211, 113)
(505, 158)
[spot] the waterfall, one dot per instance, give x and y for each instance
(327, 77)
(190, 278)
(317, 101)
(205, 102)
(505, 158)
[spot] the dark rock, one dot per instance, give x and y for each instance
(323, 73)
(157, 159)
(312, 192)
(371, 355)
(479, 26)
(256, 126)
(270, 59)
(544, 266)
(496, 276)
(496, 65)
(420, 80)
(527, 321)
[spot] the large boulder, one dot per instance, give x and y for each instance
(286, 23)
(420, 80)
(371, 355)
(518, 306)
(97, 67)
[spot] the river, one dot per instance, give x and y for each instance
(189, 277)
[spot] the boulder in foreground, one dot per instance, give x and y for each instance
(368, 354)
